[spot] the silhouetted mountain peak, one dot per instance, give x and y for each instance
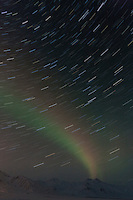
(23, 183)
(87, 188)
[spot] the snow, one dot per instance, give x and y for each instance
(39, 197)
(22, 188)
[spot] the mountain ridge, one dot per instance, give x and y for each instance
(89, 188)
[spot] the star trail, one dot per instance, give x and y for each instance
(66, 95)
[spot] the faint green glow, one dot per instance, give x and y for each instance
(24, 113)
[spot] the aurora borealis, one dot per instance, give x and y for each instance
(66, 89)
(33, 119)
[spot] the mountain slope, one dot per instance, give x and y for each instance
(20, 185)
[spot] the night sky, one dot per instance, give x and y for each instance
(66, 95)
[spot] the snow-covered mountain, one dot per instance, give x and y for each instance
(5, 185)
(10, 186)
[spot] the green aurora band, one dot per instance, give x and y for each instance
(24, 113)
